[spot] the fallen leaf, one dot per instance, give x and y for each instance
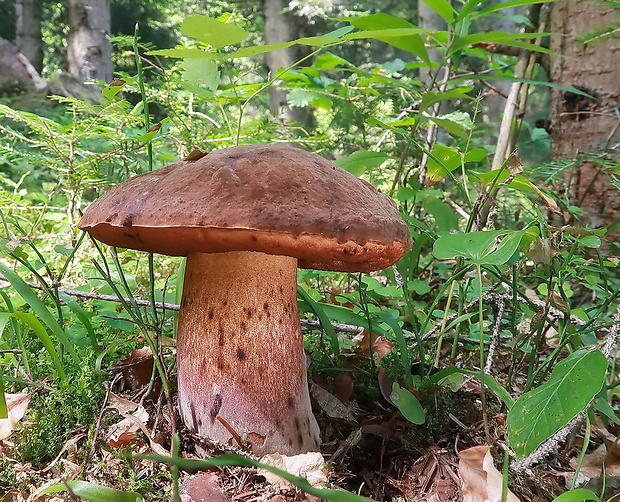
(121, 433)
(16, 404)
(380, 346)
(330, 404)
(482, 482)
(343, 387)
(592, 465)
(137, 369)
(310, 466)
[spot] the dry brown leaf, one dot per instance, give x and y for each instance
(330, 404)
(482, 482)
(343, 387)
(121, 433)
(137, 369)
(310, 466)
(593, 462)
(380, 346)
(16, 404)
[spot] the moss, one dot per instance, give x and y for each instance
(55, 416)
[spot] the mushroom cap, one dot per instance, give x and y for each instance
(273, 199)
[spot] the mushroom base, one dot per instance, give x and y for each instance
(241, 363)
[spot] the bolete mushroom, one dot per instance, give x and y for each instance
(246, 217)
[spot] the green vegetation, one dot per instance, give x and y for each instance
(491, 292)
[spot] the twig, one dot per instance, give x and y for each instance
(307, 323)
(495, 338)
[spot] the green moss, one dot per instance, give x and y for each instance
(55, 416)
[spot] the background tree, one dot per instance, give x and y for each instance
(89, 51)
(28, 31)
(583, 128)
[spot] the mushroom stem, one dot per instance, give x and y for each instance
(240, 353)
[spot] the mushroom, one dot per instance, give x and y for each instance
(246, 217)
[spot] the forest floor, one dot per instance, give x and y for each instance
(368, 449)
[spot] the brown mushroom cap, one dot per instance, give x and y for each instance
(269, 198)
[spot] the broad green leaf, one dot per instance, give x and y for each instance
(466, 9)
(361, 161)
(451, 126)
(230, 459)
(410, 42)
(431, 98)
(445, 217)
(317, 41)
(578, 495)
(506, 5)
(184, 52)
(512, 39)
(540, 413)
(407, 404)
(201, 76)
(260, 49)
(39, 309)
(445, 159)
(212, 32)
(93, 492)
(489, 381)
(481, 248)
(443, 8)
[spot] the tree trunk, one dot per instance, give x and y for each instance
(428, 20)
(28, 31)
(281, 26)
(581, 126)
(89, 51)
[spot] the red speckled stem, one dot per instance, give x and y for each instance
(240, 352)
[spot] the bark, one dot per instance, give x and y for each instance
(282, 26)
(581, 126)
(89, 51)
(28, 31)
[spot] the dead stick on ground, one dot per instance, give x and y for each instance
(307, 323)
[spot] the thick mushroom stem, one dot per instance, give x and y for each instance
(241, 363)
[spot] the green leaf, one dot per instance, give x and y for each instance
(443, 8)
(93, 492)
(39, 309)
(317, 308)
(577, 495)
(4, 411)
(431, 98)
(445, 159)
(540, 413)
(260, 49)
(445, 217)
(229, 459)
(361, 161)
(407, 404)
(212, 32)
(376, 26)
(184, 52)
(489, 381)
(84, 319)
(201, 76)
(512, 39)
(506, 5)
(481, 248)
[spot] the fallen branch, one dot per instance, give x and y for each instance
(307, 323)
